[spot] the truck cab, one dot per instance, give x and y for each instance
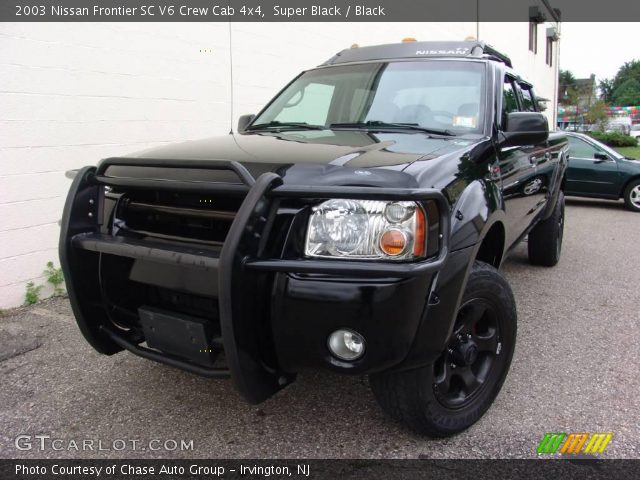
(356, 224)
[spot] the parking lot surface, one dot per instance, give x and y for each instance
(575, 369)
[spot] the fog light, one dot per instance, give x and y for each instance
(346, 344)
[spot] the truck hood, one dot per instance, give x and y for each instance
(356, 149)
(321, 156)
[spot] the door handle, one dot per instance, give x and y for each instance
(535, 160)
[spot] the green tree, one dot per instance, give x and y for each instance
(597, 115)
(566, 84)
(575, 94)
(628, 93)
(625, 89)
(568, 92)
(606, 90)
(572, 99)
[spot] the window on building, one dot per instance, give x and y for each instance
(533, 37)
(550, 51)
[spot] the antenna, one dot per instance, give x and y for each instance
(231, 79)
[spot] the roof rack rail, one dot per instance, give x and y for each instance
(467, 48)
(482, 49)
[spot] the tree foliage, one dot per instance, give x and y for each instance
(624, 88)
(597, 115)
(606, 90)
(628, 93)
(566, 85)
(575, 94)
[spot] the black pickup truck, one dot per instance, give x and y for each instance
(356, 224)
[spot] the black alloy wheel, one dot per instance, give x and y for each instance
(466, 366)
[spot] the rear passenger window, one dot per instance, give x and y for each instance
(509, 99)
(528, 104)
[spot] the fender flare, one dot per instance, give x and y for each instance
(448, 287)
(498, 216)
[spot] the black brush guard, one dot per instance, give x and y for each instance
(240, 254)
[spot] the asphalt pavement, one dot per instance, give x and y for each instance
(575, 369)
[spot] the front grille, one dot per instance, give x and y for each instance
(175, 216)
(154, 260)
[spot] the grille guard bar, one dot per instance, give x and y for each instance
(275, 189)
(255, 380)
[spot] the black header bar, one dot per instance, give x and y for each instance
(318, 10)
(305, 469)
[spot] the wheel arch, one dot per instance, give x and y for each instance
(627, 183)
(490, 248)
(492, 245)
(439, 315)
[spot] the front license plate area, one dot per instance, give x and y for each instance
(177, 334)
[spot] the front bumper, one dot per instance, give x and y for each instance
(274, 312)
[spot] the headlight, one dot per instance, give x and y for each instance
(366, 229)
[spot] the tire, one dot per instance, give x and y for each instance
(545, 240)
(632, 196)
(441, 399)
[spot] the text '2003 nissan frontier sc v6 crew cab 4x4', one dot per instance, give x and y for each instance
(357, 224)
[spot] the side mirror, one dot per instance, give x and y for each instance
(524, 128)
(601, 157)
(244, 121)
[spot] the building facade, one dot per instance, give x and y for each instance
(75, 93)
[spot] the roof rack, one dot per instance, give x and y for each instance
(481, 49)
(419, 50)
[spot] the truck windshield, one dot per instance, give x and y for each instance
(443, 96)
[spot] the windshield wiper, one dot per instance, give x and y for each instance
(371, 124)
(288, 125)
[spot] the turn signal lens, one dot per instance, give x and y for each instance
(393, 242)
(420, 234)
(408, 40)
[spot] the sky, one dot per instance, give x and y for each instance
(599, 48)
